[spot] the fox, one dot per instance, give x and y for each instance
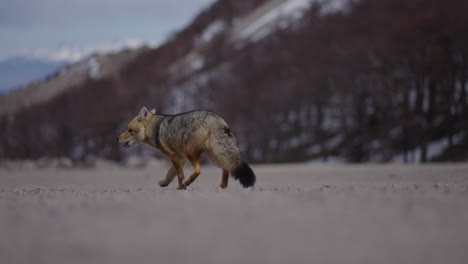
(184, 138)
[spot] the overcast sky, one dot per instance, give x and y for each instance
(67, 28)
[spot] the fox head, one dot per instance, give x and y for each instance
(135, 132)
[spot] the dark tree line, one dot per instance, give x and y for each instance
(382, 79)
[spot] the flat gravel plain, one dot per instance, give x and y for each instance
(296, 213)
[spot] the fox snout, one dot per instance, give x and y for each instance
(125, 139)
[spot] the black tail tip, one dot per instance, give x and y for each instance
(245, 175)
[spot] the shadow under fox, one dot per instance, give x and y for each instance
(184, 138)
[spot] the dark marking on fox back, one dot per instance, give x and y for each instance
(227, 131)
(169, 120)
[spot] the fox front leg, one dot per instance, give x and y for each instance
(178, 167)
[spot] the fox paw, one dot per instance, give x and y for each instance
(223, 186)
(182, 187)
(163, 184)
(186, 183)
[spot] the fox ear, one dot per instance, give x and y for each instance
(153, 111)
(143, 115)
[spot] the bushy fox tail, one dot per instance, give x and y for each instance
(244, 174)
(225, 153)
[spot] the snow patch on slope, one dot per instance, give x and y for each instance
(211, 31)
(93, 67)
(278, 13)
(288, 9)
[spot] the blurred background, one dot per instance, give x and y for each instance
(297, 80)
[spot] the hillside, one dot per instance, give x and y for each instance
(18, 71)
(296, 80)
(40, 92)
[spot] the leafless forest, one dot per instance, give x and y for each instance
(378, 80)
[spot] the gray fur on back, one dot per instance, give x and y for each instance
(205, 132)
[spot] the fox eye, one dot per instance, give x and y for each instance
(131, 130)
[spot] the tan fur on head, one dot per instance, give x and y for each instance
(135, 132)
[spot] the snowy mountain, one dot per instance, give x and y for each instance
(18, 72)
(65, 78)
(39, 63)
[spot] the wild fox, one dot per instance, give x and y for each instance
(185, 137)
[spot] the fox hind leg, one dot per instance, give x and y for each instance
(224, 179)
(169, 177)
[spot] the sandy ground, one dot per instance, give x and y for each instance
(299, 213)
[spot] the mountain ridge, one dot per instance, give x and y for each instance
(19, 71)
